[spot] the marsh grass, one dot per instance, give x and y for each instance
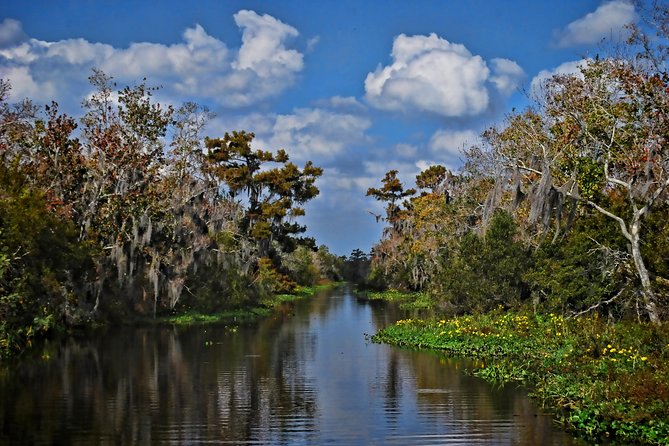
(601, 380)
(245, 314)
(407, 300)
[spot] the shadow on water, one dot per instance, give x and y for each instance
(306, 375)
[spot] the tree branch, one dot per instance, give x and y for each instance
(597, 305)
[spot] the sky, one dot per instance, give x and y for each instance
(357, 87)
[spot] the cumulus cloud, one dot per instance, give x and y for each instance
(338, 180)
(200, 66)
(11, 33)
(451, 142)
(406, 150)
(607, 20)
(24, 86)
(429, 73)
(305, 133)
(506, 76)
(308, 133)
(342, 103)
(263, 50)
(567, 68)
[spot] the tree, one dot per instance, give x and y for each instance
(391, 192)
(434, 178)
(356, 267)
(600, 140)
(484, 272)
(274, 196)
(389, 264)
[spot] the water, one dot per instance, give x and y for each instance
(304, 376)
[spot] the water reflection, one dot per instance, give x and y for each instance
(304, 376)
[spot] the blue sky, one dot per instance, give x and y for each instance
(358, 87)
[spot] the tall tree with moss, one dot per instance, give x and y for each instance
(599, 139)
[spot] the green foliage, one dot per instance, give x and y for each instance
(586, 267)
(270, 281)
(249, 313)
(301, 267)
(482, 273)
(42, 264)
(355, 268)
(432, 178)
(127, 215)
(217, 287)
(329, 266)
(234, 316)
(605, 381)
(391, 192)
(410, 301)
(274, 194)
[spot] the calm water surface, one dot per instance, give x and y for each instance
(304, 376)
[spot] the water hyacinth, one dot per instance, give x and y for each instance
(575, 366)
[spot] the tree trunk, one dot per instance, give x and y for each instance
(646, 288)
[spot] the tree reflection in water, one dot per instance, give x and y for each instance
(306, 375)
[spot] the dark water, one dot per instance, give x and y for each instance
(304, 376)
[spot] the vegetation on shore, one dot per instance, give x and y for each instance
(130, 212)
(412, 301)
(602, 380)
(245, 314)
(545, 254)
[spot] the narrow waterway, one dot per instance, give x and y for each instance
(305, 376)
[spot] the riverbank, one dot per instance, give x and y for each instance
(265, 309)
(407, 301)
(601, 380)
(234, 316)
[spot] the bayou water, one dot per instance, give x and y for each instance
(306, 375)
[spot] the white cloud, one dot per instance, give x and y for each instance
(200, 66)
(76, 51)
(406, 150)
(342, 102)
(431, 74)
(451, 142)
(407, 171)
(24, 86)
(11, 33)
(337, 181)
(507, 75)
(263, 50)
(606, 21)
(567, 68)
(307, 133)
(312, 43)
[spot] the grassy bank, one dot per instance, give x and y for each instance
(244, 314)
(406, 300)
(602, 380)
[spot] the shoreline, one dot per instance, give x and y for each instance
(265, 309)
(602, 381)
